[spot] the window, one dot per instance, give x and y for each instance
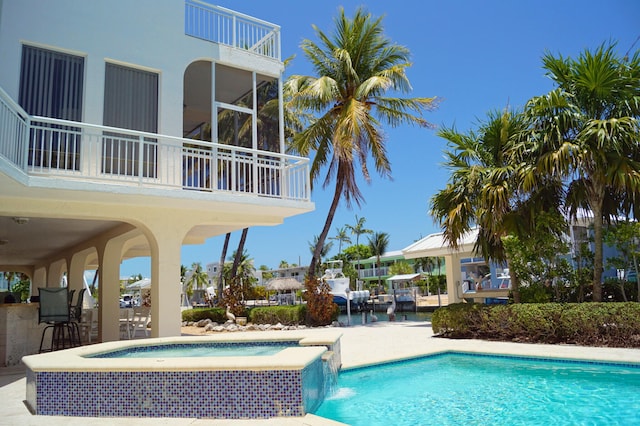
(130, 102)
(51, 85)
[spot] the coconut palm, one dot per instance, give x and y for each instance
(198, 278)
(325, 249)
(356, 67)
(245, 272)
(424, 264)
(586, 131)
(223, 255)
(484, 187)
(239, 253)
(378, 243)
(341, 237)
(359, 229)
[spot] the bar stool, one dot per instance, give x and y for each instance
(54, 310)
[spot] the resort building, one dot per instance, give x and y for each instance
(369, 271)
(131, 128)
(296, 272)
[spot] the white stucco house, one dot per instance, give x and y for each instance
(130, 128)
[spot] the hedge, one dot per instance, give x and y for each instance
(218, 315)
(588, 324)
(286, 315)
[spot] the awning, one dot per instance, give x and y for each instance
(139, 285)
(403, 277)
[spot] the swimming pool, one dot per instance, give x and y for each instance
(480, 389)
(198, 350)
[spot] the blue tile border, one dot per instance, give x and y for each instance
(204, 394)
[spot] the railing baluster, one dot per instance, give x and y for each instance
(74, 150)
(219, 25)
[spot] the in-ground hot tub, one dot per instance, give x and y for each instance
(82, 382)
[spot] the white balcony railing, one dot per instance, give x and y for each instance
(72, 150)
(373, 272)
(219, 25)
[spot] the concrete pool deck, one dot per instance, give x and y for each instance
(360, 345)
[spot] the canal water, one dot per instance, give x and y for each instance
(357, 318)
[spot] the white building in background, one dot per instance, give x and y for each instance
(121, 136)
(464, 267)
(296, 272)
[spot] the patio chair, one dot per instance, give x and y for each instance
(88, 324)
(140, 321)
(125, 323)
(54, 310)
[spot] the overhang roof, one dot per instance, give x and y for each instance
(434, 245)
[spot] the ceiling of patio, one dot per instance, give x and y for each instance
(28, 241)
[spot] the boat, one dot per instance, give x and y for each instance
(339, 284)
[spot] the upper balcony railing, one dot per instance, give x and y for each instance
(219, 25)
(373, 272)
(79, 151)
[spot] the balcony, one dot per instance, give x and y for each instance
(223, 26)
(373, 272)
(61, 149)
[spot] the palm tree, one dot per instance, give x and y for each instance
(245, 269)
(484, 187)
(223, 256)
(341, 237)
(423, 264)
(378, 243)
(198, 278)
(239, 253)
(586, 131)
(359, 229)
(325, 249)
(355, 68)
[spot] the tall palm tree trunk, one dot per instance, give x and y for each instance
(238, 257)
(223, 256)
(515, 284)
(325, 231)
(597, 251)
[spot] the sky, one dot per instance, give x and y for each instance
(475, 56)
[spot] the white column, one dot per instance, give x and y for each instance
(165, 285)
(281, 115)
(75, 275)
(454, 276)
(55, 271)
(109, 291)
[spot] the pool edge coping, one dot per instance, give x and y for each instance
(587, 354)
(76, 359)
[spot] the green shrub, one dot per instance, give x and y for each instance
(218, 315)
(588, 324)
(286, 315)
(535, 293)
(457, 319)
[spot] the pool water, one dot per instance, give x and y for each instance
(180, 350)
(453, 389)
